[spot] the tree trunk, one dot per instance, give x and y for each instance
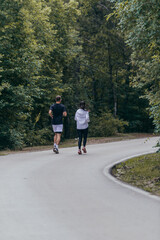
(111, 98)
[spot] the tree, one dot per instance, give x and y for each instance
(67, 47)
(106, 68)
(37, 45)
(23, 49)
(139, 21)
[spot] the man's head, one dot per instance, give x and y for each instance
(58, 98)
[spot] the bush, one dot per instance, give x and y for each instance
(39, 137)
(105, 125)
(11, 139)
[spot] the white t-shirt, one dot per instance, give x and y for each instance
(82, 118)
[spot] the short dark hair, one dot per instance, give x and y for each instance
(82, 105)
(58, 98)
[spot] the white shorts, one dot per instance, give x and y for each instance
(57, 128)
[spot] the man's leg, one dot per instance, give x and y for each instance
(58, 138)
(55, 136)
(55, 149)
(55, 139)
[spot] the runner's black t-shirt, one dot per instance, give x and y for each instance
(57, 111)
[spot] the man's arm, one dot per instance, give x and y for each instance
(50, 113)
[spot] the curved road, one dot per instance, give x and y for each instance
(44, 196)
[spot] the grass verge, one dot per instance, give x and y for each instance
(142, 172)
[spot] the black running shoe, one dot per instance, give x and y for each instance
(56, 150)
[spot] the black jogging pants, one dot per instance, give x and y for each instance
(82, 133)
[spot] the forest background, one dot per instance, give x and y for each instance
(106, 53)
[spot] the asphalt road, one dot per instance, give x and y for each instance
(44, 196)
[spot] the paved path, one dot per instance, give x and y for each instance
(44, 196)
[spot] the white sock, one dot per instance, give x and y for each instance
(56, 146)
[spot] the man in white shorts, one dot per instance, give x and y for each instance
(57, 111)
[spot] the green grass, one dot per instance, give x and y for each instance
(142, 172)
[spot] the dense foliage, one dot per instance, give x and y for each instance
(140, 23)
(50, 47)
